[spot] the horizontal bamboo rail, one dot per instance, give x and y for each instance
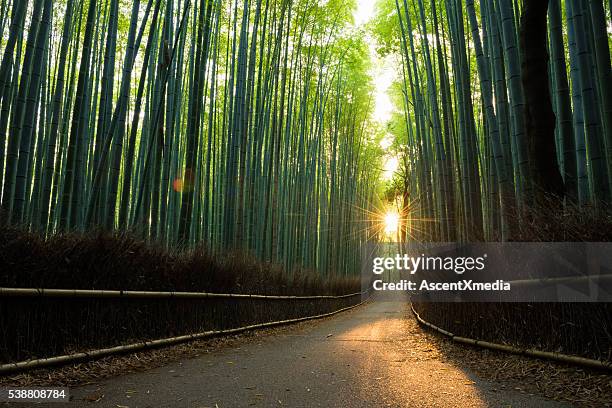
(83, 293)
(95, 354)
(560, 280)
(546, 355)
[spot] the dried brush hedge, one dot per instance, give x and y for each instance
(583, 329)
(122, 262)
(44, 327)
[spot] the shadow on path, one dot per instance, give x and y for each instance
(373, 356)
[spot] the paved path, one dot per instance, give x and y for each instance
(373, 356)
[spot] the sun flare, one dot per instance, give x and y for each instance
(391, 222)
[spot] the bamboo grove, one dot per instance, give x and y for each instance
(467, 158)
(239, 125)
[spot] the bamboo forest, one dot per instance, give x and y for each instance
(252, 124)
(240, 124)
(337, 203)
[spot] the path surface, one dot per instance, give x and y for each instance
(373, 356)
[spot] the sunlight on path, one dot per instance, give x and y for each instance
(396, 364)
(401, 365)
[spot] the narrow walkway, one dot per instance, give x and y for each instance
(374, 356)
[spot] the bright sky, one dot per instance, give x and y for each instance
(365, 10)
(383, 74)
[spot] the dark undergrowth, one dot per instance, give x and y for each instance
(583, 329)
(551, 222)
(37, 327)
(121, 262)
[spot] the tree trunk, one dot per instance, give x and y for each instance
(538, 112)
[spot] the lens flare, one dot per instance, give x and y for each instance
(177, 184)
(184, 184)
(391, 220)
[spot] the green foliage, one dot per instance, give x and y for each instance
(461, 131)
(235, 125)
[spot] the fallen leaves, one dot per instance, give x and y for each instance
(91, 372)
(94, 397)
